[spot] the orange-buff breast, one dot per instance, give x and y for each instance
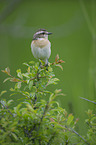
(40, 43)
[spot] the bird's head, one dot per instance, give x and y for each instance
(41, 33)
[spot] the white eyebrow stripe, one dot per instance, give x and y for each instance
(40, 32)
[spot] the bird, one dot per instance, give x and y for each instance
(41, 46)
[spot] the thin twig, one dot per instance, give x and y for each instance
(72, 130)
(7, 108)
(46, 107)
(88, 100)
(79, 136)
(13, 79)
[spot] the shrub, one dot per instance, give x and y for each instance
(36, 120)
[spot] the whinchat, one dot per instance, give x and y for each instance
(41, 46)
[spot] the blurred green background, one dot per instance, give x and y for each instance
(73, 23)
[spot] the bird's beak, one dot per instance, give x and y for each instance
(49, 33)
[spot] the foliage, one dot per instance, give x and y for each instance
(91, 122)
(36, 120)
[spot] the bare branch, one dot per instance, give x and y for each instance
(7, 108)
(88, 100)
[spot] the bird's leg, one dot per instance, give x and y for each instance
(40, 64)
(46, 64)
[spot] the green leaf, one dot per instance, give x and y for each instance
(25, 75)
(57, 91)
(57, 125)
(12, 90)
(25, 93)
(17, 109)
(7, 71)
(31, 108)
(25, 64)
(70, 119)
(3, 92)
(9, 102)
(46, 91)
(6, 80)
(12, 94)
(53, 81)
(14, 136)
(52, 96)
(18, 85)
(30, 85)
(50, 69)
(66, 137)
(28, 70)
(31, 62)
(59, 66)
(19, 73)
